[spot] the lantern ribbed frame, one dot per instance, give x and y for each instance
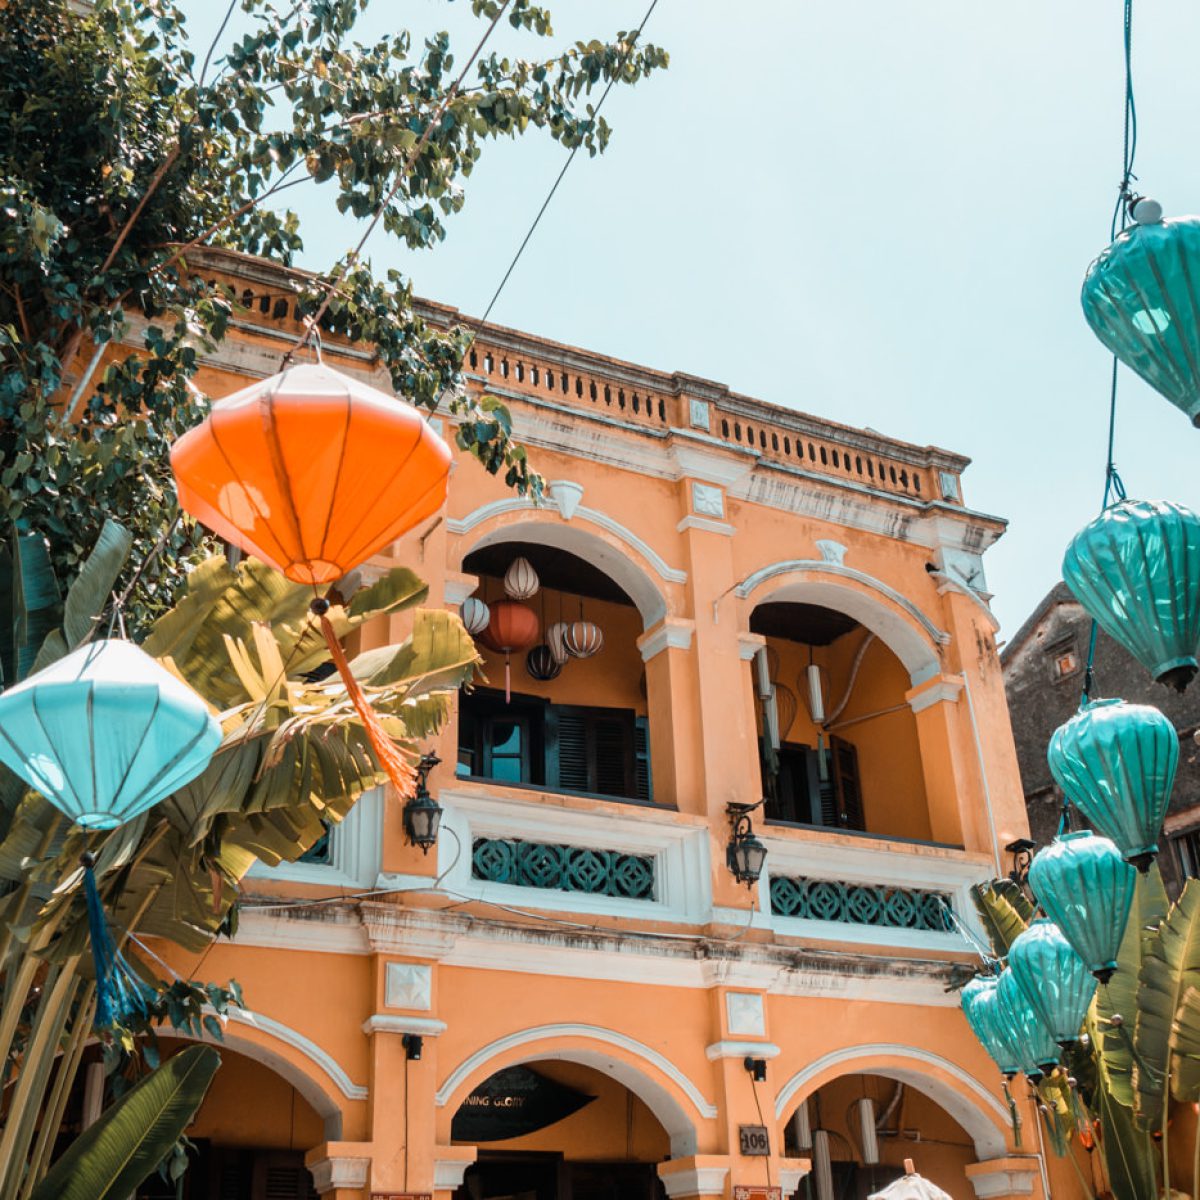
(583, 639)
(311, 471)
(1136, 570)
(105, 733)
(1141, 297)
(541, 664)
(978, 1001)
(521, 580)
(1116, 763)
(1055, 980)
(556, 639)
(1086, 888)
(1031, 1039)
(475, 615)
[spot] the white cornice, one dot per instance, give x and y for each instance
(674, 633)
(741, 1049)
(691, 521)
(391, 1023)
(941, 691)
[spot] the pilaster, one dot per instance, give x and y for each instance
(671, 688)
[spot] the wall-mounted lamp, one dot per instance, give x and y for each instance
(413, 1044)
(423, 814)
(1022, 855)
(745, 854)
(757, 1068)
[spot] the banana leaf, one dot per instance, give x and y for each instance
(1129, 1155)
(88, 596)
(1185, 1048)
(30, 602)
(111, 1158)
(1170, 965)
(1005, 912)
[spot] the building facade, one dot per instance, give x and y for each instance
(1043, 675)
(571, 995)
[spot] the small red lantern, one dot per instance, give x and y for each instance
(513, 627)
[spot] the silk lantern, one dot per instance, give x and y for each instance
(1116, 763)
(513, 627)
(314, 472)
(541, 664)
(520, 580)
(1031, 1039)
(1136, 570)
(582, 639)
(556, 639)
(475, 615)
(1141, 297)
(978, 1001)
(1086, 889)
(1055, 980)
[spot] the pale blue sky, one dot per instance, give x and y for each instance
(878, 211)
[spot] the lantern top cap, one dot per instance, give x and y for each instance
(1075, 835)
(310, 379)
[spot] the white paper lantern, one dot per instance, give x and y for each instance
(583, 639)
(520, 580)
(475, 615)
(556, 639)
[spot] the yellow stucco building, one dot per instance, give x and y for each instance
(571, 995)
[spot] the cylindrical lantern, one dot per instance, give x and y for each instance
(1116, 763)
(822, 1165)
(1086, 889)
(1136, 569)
(583, 639)
(513, 627)
(1031, 1038)
(520, 580)
(105, 733)
(311, 471)
(1141, 298)
(1055, 980)
(556, 639)
(978, 1001)
(802, 1128)
(868, 1135)
(475, 615)
(541, 664)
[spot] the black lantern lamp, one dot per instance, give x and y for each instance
(745, 854)
(423, 814)
(1022, 855)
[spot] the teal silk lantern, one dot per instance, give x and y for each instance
(1086, 889)
(1031, 1039)
(979, 1007)
(1116, 763)
(1141, 298)
(105, 732)
(1136, 569)
(1055, 980)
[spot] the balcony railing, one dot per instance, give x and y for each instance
(861, 904)
(563, 868)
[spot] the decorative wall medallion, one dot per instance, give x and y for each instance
(744, 1011)
(949, 485)
(831, 551)
(408, 985)
(565, 495)
(698, 414)
(708, 501)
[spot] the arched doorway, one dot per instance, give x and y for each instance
(858, 1130)
(551, 1129)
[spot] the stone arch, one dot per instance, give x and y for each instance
(609, 546)
(315, 1074)
(893, 618)
(981, 1114)
(670, 1095)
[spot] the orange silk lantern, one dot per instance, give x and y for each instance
(513, 627)
(313, 472)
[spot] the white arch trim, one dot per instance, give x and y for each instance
(675, 1120)
(912, 650)
(498, 508)
(983, 1120)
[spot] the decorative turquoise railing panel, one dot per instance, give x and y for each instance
(860, 904)
(563, 868)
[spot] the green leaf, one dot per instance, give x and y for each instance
(1185, 1048)
(1004, 911)
(111, 1158)
(30, 603)
(1129, 1154)
(88, 596)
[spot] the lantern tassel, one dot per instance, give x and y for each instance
(397, 767)
(507, 677)
(120, 994)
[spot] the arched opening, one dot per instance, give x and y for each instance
(552, 1129)
(858, 1130)
(839, 743)
(575, 717)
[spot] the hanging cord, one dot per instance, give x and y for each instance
(402, 178)
(1114, 489)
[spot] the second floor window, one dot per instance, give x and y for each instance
(807, 792)
(566, 747)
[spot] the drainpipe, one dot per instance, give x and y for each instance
(987, 791)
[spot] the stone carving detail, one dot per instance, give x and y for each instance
(707, 501)
(745, 1013)
(408, 985)
(698, 414)
(831, 551)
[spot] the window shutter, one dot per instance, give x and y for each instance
(282, 1175)
(572, 773)
(644, 786)
(611, 738)
(845, 775)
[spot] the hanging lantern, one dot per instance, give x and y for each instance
(513, 627)
(1116, 763)
(583, 639)
(556, 639)
(520, 580)
(978, 1001)
(1136, 570)
(311, 471)
(786, 709)
(1031, 1038)
(475, 615)
(1141, 298)
(541, 664)
(105, 733)
(1086, 889)
(1055, 980)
